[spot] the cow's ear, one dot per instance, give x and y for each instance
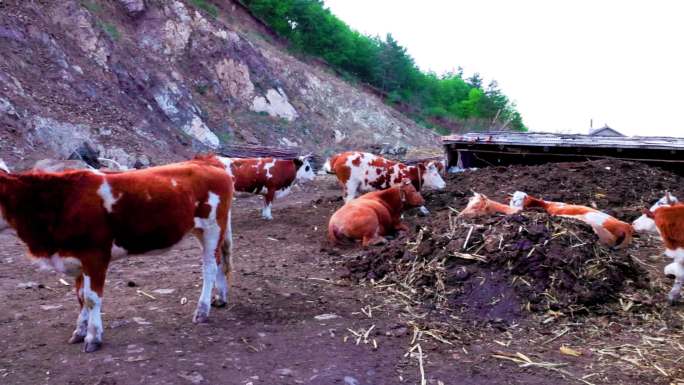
(648, 213)
(668, 198)
(298, 162)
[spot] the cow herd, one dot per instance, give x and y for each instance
(78, 221)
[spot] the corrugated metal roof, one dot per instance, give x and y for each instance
(565, 140)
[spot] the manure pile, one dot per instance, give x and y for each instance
(500, 268)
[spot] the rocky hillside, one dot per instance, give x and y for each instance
(149, 81)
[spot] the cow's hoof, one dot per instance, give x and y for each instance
(200, 318)
(217, 302)
(76, 339)
(90, 347)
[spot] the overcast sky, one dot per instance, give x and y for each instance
(563, 63)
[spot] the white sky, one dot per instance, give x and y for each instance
(563, 63)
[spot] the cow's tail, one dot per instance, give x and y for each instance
(327, 167)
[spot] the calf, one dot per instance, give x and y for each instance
(77, 222)
(362, 172)
(644, 224)
(670, 223)
(480, 205)
(611, 231)
(268, 176)
(373, 215)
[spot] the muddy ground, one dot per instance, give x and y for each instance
(294, 319)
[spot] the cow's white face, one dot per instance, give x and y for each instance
(518, 200)
(644, 224)
(431, 177)
(305, 171)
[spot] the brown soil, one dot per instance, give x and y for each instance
(287, 275)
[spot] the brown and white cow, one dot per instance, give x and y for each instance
(480, 205)
(373, 215)
(611, 231)
(362, 171)
(77, 222)
(644, 224)
(670, 222)
(268, 176)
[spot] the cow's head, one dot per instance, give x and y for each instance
(304, 170)
(477, 204)
(410, 197)
(432, 177)
(518, 200)
(645, 223)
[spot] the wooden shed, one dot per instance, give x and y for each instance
(505, 148)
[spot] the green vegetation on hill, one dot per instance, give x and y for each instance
(443, 102)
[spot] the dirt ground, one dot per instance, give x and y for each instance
(294, 319)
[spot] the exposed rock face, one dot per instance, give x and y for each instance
(133, 7)
(151, 82)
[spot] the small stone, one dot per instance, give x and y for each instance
(325, 317)
(349, 380)
(284, 372)
(193, 377)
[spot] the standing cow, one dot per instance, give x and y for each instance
(77, 222)
(362, 171)
(268, 176)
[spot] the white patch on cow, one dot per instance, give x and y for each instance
(596, 218)
(108, 199)
(3, 166)
(431, 177)
(675, 268)
(97, 172)
(266, 212)
(94, 304)
(357, 175)
(677, 254)
(173, 182)
(644, 224)
(268, 167)
(283, 192)
(518, 200)
(211, 233)
(305, 172)
(82, 321)
(227, 163)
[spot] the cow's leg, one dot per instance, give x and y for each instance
(93, 290)
(268, 201)
(350, 190)
(211, 236)
(373, 240)
(223, 275)
(81, 330)
(676, 269)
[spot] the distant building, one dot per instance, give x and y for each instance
(605, 131)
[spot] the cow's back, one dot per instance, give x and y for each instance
(155, 208)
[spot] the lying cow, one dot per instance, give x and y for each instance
(362, 172)
(268, 176)
(669, 220)
(76, 222)
(611, 231)
(373, 215)
(644, 224)
(480, 205)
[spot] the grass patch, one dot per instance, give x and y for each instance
(206, 6)
(110, 29)
(91, 6)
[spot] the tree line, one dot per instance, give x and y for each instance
(444, 102)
